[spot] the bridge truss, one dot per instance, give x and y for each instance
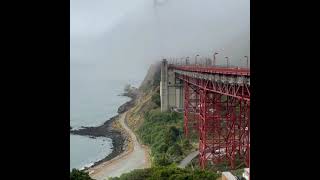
(218, 112)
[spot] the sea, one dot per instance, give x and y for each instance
(94, 98)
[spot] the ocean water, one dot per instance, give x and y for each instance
(94, 98)
(84, 150)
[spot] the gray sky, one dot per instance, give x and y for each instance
(131, 34)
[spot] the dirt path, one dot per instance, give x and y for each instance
(136, 158)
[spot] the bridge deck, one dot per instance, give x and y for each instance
(214, 70)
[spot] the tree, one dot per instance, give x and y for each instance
(79, 175)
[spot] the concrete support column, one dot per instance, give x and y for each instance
(179, 94)
(164, 86)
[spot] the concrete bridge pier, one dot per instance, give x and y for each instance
(171, 89)
(179, 94)
(164, 86)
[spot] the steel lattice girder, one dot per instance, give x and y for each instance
(223, 125)
(191, 108)
(240, 91)
(214, 70)
(186, 108)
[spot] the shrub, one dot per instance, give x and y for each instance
(79, 175)
(161, 160)
(168, 172)
(186, 144)
(156, 99)
(172, 135)
(161, 148)
(175, 150)
(136, 174)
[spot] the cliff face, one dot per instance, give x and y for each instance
(152, 77)
(148, 88)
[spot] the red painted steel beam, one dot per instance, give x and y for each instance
(214, 70)
(191, 109)
(224, 130)
(233, 90)
(186, 108)
(223, 124)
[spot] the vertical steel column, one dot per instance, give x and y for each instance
(210, 124)
(191, 109)
(194, 103)
(206, 124)
(186, 107)
(202, 129)
(230, 138)
(217, 140)
(242, 129)
(247, 134)
(220, 114)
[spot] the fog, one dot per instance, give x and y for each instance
(123, 37)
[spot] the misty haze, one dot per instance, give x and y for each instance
(127, 36)
(113, 43)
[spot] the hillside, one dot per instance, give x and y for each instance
(162, 132)
(152, 78)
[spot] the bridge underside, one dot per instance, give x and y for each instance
(219, 114)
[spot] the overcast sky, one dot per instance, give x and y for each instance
(131, 34)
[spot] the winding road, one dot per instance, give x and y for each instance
(138, 158)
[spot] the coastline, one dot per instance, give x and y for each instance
(111, 129)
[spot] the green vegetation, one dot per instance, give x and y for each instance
(237, 172)
(223, 166)
(163, 133)
(79, 175)
(168, 172)
(156, 98)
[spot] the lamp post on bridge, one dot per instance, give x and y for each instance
(187, 60)
(196, 58)
(214, 58)
(227, 61)
(247, 61)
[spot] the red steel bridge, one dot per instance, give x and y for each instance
(216, 104)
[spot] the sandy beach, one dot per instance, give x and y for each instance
(113, 129)
(135, 157)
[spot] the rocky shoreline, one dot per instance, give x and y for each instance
(109, 129)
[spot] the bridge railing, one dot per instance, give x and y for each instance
(213, 69)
